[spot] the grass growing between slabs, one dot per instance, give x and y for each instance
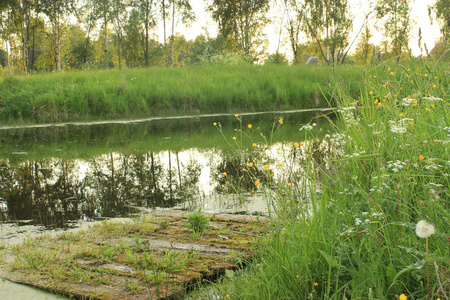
(359, 235)
(152, 257)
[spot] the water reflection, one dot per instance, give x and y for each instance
(54, 176)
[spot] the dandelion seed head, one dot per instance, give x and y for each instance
(424, 229)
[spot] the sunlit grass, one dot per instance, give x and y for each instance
(388, 168)
(135, 93)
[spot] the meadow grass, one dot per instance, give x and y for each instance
(135, 93)
(347, 230)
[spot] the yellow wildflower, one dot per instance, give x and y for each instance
(249, 126)
(250, 165)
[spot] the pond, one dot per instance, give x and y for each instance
(63, 176)
(52, 177)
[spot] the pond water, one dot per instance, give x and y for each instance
(58, 177)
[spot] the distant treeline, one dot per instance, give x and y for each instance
(54, 35)
(135, 93)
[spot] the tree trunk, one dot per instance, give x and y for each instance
(8, 60)
(23, 9)
(146, 40)
(164, 20)
(105, 62)
(173, 28)
(119, 44)
(57, 45)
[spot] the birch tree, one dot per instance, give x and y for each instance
(241, 21)
(397, 24)
(55, 11)
(441, 9)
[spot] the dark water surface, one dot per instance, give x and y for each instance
(55, 176)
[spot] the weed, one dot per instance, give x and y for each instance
(198, 222)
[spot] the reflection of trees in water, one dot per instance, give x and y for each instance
(45, 192)
(53, 191)
(121, 182)
(240, 176)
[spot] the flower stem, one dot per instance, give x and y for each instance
(428, 271)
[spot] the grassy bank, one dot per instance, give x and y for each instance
(114, 94)
(361, 234)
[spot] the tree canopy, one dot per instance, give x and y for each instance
(50, 35)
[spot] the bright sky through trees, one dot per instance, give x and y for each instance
(419, 15)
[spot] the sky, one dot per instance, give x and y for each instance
(419, 15)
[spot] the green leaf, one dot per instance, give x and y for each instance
(415, 266)
(330, 259)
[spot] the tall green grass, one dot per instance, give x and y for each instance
(388, 169)
(114, 94)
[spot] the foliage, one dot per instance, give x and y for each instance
(198, 222)
(442, 11)
(241, 21)
(327, 23)
(397, 24)
(387, 170)
(364, 51)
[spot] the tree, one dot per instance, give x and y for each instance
(241, 21)
(78, 53)
(8, 24)
(145, 9)
(294, 27)
(119, 14)
(397, 24)
(187, 16)
(133, 32)
(364, 50)
(55, 10)
(442, 11)
(328, 24)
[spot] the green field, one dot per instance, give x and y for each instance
(137, 93)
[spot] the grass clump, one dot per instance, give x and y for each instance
(348, 229)
(198, 222)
